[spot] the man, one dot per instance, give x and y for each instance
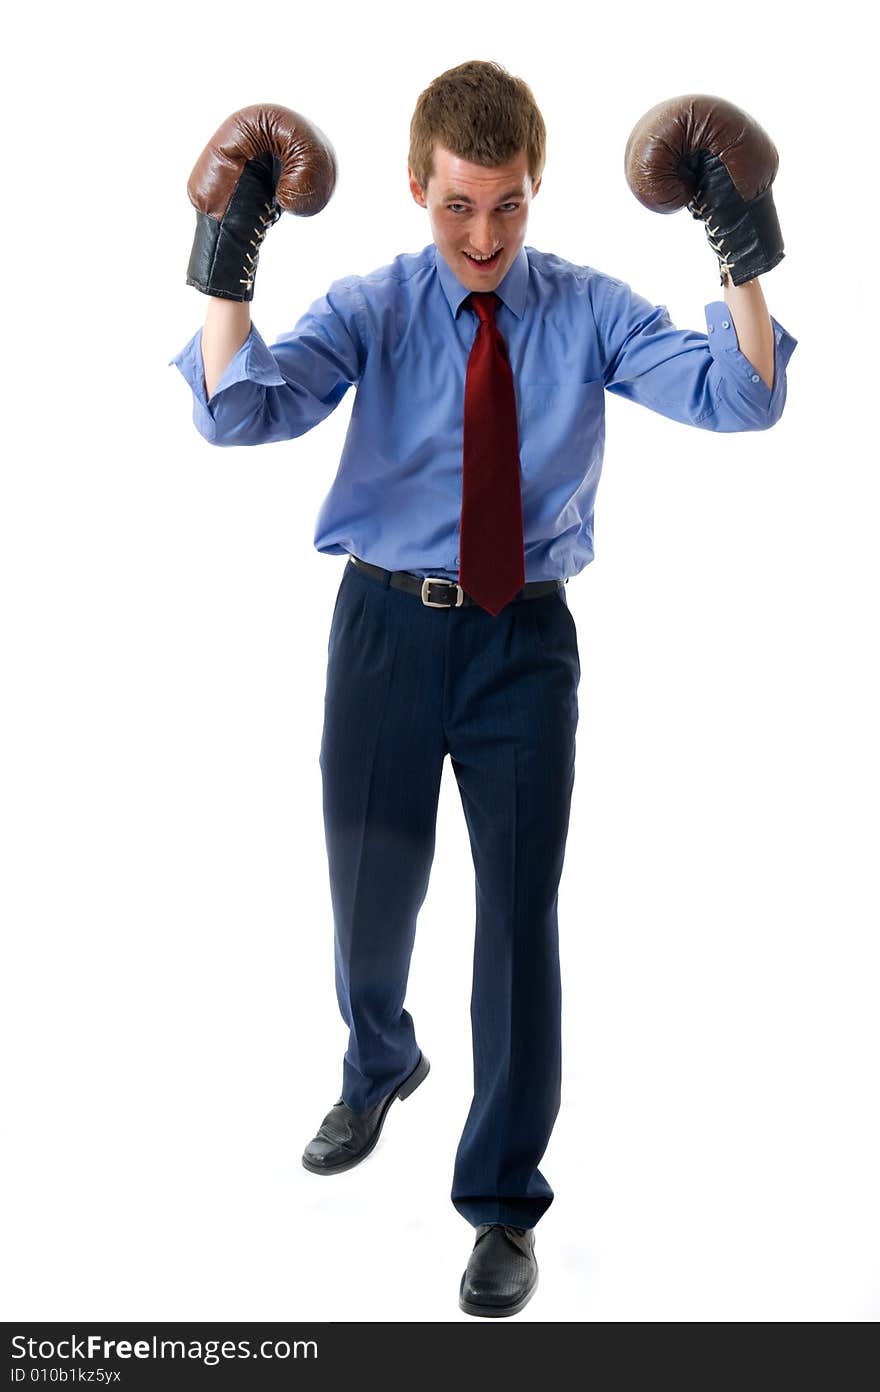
(473, 457)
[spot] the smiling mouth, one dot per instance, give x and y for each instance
(485, 265)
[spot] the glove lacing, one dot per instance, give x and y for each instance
(700, 211)
(274, 213)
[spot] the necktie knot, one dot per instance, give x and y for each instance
(483, 302)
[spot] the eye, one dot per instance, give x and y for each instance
(454, 207)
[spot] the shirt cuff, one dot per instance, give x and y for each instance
(724, 346)
(253, 362)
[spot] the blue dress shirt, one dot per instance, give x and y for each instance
(401, 336)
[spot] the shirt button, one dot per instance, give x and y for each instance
(755, 377)
(711, 328)
(455, 562)
(725, 323)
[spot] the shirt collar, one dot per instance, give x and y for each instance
(511, 290)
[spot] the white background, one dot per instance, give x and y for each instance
(170, 1029)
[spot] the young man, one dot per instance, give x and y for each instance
(473, 457)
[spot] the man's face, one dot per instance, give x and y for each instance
(475, 211)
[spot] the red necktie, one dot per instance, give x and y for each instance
(491, 546)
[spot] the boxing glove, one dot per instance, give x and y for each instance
(262, 161)
(706, 153)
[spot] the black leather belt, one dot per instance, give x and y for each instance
(440, 593)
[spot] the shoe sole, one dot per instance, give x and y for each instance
(406, 1088)
(497, 1311)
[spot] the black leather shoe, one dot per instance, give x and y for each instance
(345, 1138)
(502, 1273)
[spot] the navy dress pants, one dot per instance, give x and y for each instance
(407, 685)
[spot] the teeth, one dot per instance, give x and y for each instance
(480, 258)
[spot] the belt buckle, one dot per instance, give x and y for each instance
(440, 580)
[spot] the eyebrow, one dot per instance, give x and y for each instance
(463, 198)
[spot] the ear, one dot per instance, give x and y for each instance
(416, 189)
(537, 186)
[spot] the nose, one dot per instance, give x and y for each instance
(483, 237)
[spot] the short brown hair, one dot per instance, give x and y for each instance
(480, 113)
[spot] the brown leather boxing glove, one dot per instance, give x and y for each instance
(708, 154)
(262, 161)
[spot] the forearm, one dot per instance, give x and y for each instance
(754, 330)
(227, 325)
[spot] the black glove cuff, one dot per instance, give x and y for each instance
(745, 236)
(225, 252)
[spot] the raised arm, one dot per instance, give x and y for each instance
(261, 161)
(227, 325)
(754, 327)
